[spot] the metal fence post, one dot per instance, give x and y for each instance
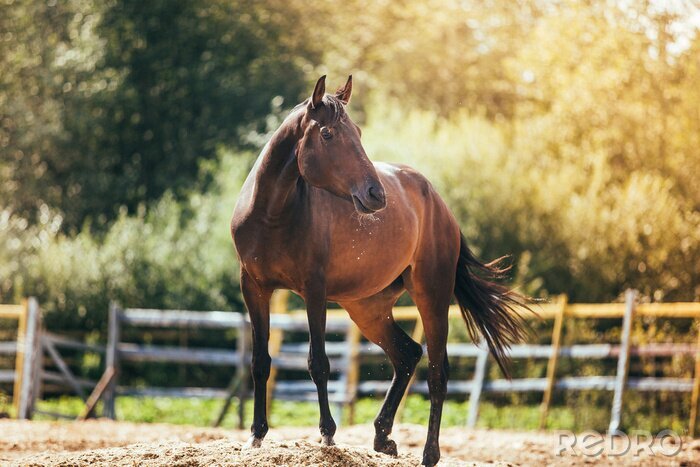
(112, 360)
(477, 385)
(27, 368)
(622, 362)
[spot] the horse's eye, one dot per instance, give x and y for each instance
(326, 133)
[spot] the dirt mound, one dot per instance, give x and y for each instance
(227, 453)
(107, 443)
(104, 442)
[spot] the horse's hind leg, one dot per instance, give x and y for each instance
(431, 287)
(434, 314)
(373, 317)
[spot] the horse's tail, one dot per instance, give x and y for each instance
(489, 307)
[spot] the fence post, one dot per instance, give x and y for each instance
(622, 362)
(696, 389)
(38, 360)
(239, 382)
(112, 359)
(28, 356)
(477, 385)
(352, 368)
(19, 356)
(553, 358)
(242, 369)
(278, 304)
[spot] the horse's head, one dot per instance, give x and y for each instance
(330, 154)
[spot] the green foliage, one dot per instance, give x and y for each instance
(434, 54)
(170, 256)
(562, 133)
(575, 225)
(109, 104)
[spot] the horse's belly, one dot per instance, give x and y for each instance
(369, 259)
(353, 287)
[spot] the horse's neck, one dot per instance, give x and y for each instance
(277, 174)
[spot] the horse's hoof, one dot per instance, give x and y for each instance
(253, 443)
(386, 446)
(431, 456)
(327, 440)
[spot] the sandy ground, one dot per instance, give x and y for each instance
(107, 443)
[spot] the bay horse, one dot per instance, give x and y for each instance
(317, 217)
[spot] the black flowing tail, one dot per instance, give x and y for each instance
(488, 307)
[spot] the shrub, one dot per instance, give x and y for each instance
(575, 225)
(171, 255)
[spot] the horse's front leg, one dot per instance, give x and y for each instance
(319, 368)
(257, 301)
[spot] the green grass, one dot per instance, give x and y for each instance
(202, 412)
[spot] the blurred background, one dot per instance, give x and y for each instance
(564, 133)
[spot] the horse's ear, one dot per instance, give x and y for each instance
(319, 92)
(344, 93)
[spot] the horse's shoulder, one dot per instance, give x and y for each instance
(406, 175)
(398, 169)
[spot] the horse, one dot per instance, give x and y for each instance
(317, 217)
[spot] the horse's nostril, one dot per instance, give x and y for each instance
(376, 193)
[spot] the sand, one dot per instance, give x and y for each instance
(108, 443)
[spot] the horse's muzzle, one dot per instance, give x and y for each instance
(369, 200)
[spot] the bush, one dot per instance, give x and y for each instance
(575, 225)
(171, 255)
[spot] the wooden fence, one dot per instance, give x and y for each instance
(560, 311)
(38, 361)
(25, 374)
(347, 355)
(119, 351)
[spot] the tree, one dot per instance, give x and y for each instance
(132, 95)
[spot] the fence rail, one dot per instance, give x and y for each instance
(345, 356)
